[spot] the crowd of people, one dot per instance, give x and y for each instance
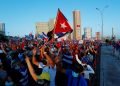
(116, 48)
(46, 63)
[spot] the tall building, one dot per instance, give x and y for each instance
(87, 33)
(51, 23)
(42, 27)
(45, 26)
(2, 28)
(77, 25)
(97, 35)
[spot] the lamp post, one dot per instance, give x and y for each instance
(8, 33)
(101, 13)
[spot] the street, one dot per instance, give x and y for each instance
(109, 68)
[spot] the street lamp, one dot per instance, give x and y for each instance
(101, 13)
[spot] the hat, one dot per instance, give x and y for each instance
(78, 68)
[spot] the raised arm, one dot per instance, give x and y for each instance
(33, 58)
(50, 61)
(41, 53)
(90, 69)
(77, 59)
(31, 70)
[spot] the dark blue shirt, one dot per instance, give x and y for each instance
(75, 81)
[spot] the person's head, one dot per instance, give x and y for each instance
(78, 68)
(44, 61)
(13, 54)
(56, 60)
(28, 52)
(37, 57)
(81, 54)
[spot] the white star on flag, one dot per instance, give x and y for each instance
(63, 25)
(55, 36)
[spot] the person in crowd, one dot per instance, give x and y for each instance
(67, 57)
(88, 70)
(47, 64)
(75, 75)
(48, 68)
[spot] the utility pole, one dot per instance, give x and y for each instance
(101, 14)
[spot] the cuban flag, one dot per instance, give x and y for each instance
(61, 27)
(42, 36)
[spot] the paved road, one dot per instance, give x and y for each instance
(109, 68)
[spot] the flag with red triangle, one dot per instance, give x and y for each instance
(61, 24)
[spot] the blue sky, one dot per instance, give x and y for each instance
(20, 16)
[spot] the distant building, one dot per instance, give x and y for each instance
(87, 33)
(2, 28)
(42, 27)
(45, 26)
(77, 25)
(97, 35)
(51, 23)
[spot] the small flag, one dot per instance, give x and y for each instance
(44, 35)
